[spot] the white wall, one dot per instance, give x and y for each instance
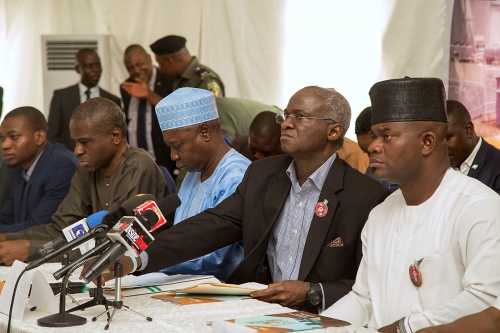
(264, 50)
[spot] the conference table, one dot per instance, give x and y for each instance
(167, 317)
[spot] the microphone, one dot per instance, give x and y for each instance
(96, 232)
(130, 237)
(96, 250)
(167, 206)
(69, 233)
(77, 228)
(73, 232)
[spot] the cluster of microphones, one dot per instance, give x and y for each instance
(112, 235)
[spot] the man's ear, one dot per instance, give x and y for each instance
(334, 132)
(469, 129)
(116, 135)
(428, 142)
(77, 69)
(205, 131)
(40, 137)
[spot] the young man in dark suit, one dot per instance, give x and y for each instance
(65, 101)
(41, 171)
(300, 214)
(469, 153)
(145, 87)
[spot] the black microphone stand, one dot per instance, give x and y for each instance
(96, 293)
(62, 319)
(117, 304)
(99, 298)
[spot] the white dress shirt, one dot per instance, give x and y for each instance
(133, 109)
(457, 234)
(467, 164)
(94, 92)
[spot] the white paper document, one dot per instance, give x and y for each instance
(158, 282)
(22, 291)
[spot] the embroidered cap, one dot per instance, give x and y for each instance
(408, 99)
(186, 107)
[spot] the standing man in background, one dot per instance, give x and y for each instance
(184, 70)
(145, 87)
(65, 101)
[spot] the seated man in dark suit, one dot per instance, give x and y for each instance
(110, 172)
(5, 173)
(299, 214)
(42, 171)
(469, 153)
(65, 101)
(145, 87)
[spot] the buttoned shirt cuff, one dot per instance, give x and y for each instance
(404, 325)
(144, 260)
(321, 307)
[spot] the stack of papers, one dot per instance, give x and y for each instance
(157, 282)
(223, 289)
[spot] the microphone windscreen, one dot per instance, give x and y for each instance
(96, 218)
(129, 204)
(169, 204)
(112, 218)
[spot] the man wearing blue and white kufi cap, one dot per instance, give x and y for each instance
(191, 128)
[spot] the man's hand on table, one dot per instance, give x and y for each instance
(12, 250)
(127, 266)
(286, 293)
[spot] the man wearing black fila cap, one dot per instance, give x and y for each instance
(183, 69)
(430, 250)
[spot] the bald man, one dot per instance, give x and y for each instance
(145, 87)
(469, 153)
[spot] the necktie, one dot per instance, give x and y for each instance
(88, 94)
(141, 125)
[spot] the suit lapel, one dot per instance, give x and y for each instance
(479, 160)
(320, 225)
(276, 195)
(74, 99)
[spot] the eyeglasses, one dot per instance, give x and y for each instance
(295, 118)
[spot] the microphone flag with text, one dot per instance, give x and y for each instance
(131, 234)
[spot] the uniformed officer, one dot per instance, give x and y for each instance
(183, 69)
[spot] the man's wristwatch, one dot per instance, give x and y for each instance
(314, 295)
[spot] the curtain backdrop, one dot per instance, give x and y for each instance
(264, 50)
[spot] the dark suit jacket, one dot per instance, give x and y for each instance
(33, 203)
(250, 214)
(163, 87)
(63, 103)
(488, 166)
(5, 177)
